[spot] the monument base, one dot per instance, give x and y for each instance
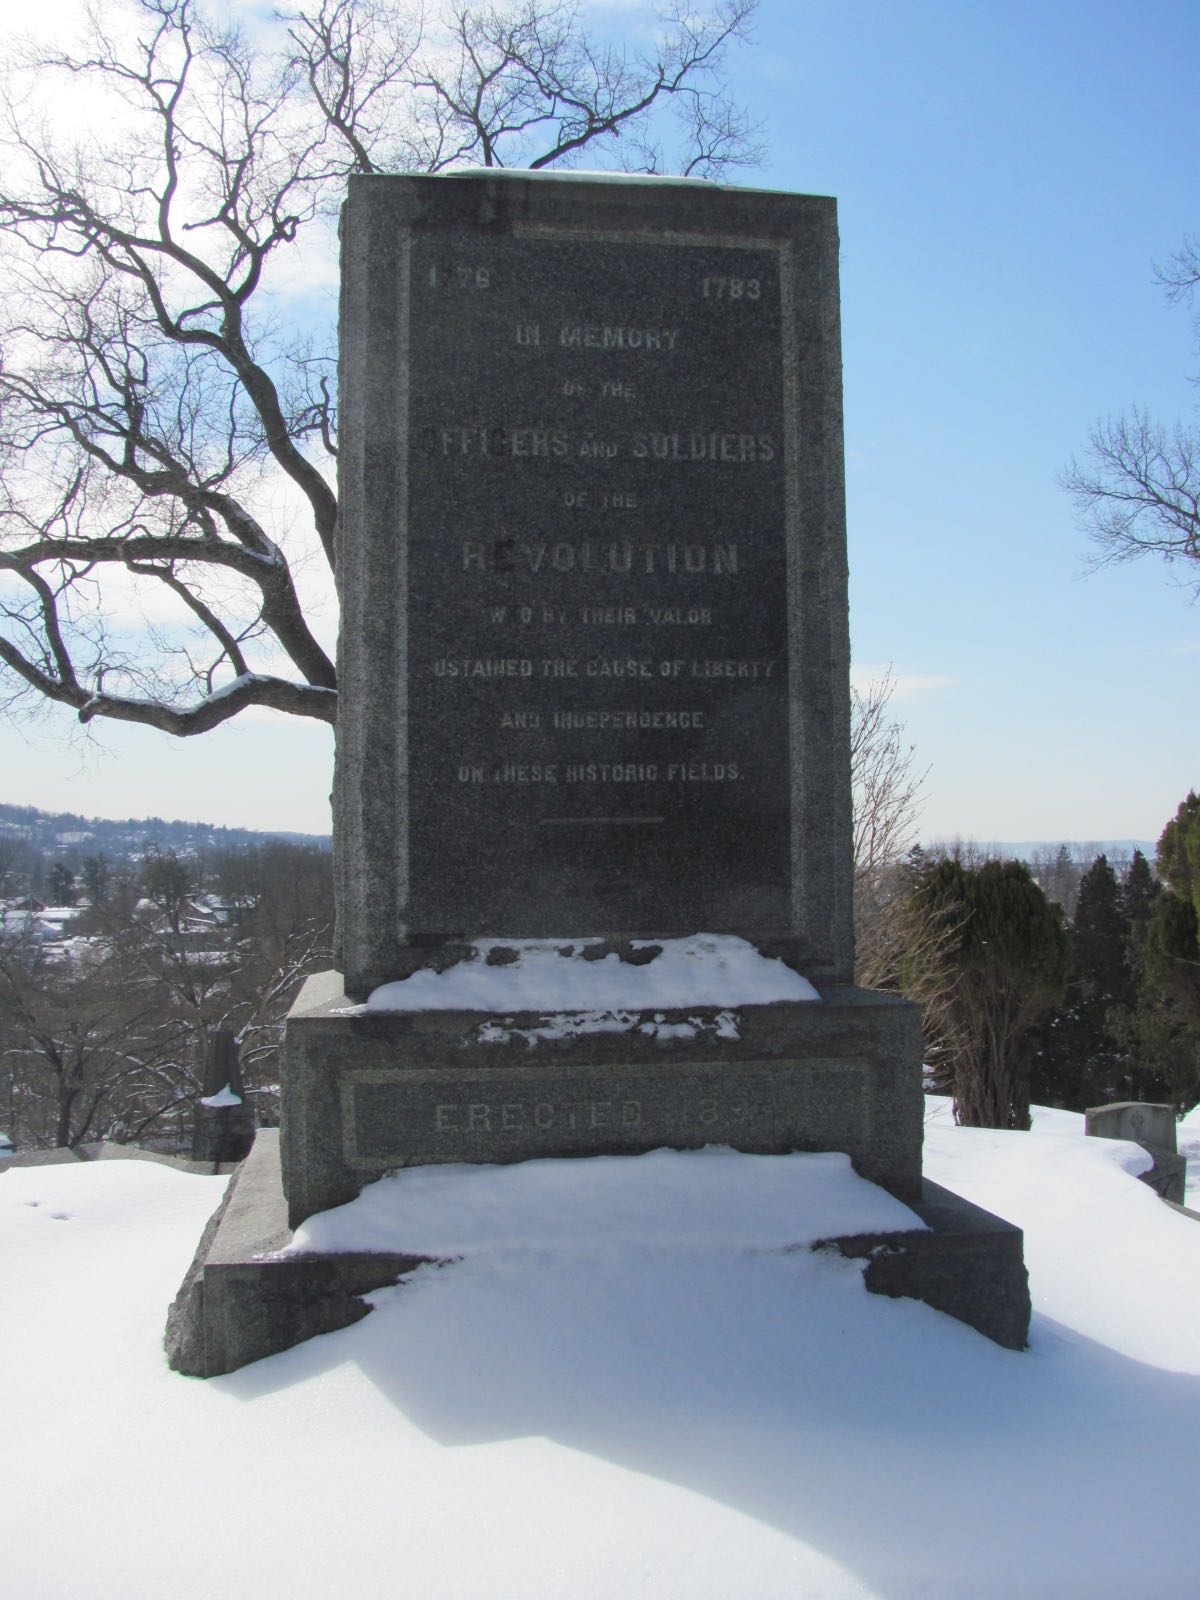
(970, 1264)
(243, 1299)
(367, 1092)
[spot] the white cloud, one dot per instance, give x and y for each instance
(907, 686)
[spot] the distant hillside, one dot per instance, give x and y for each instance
(66, 836)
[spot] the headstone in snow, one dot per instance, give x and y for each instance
(224, 1126)
(1139, 1121)
(1153, 1127)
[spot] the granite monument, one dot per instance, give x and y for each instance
(594, 689)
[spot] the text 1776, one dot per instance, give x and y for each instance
(459, 277)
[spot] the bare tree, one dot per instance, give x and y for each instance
(522, 84)
(1137, 490)
(87, 1050)
(284, 937)
(152, 404)
(887, 788)
(107, 1036)
(19, 865)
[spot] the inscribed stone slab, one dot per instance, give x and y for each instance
(592, 564)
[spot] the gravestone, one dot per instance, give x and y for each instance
(593, 711)
(224, 1126)
(1139, 1121)
(1152, 1125)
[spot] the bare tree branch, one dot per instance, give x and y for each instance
(153, 403)
(1137, 490)
(887, 794)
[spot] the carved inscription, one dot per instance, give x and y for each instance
(597, 565)
(509, 1113)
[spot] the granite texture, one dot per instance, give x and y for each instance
(594, 656)
(370, 1092)
(1139, 1121)
(241, 1299)
(970, 1265)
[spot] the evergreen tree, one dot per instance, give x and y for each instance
(1161, 1029)
(1179, 852)
(61, 884)
(1102, 937)
(1173, 933)
(1061, 880)
(96, 878)
(1155, 1047)
(999, 968)
(1138, 894)
(168, 881)
(1081, 1050)
(1173, 953)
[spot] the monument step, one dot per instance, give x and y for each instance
(244, 1297)
(368, 1092)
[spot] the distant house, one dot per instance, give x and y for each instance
(197, 926)
(31, 921)
(18, 923)
(226, 911)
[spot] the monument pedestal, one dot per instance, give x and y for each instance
(244, 1298)
(368, 1092)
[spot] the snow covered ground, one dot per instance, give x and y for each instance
(657, 1403)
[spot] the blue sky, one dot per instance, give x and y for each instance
(1006, 175)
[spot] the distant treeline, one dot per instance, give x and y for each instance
(1057, 867)
(34, 843)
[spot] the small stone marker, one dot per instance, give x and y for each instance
(1139, 1121)
(224, 1127)
(1152, 1125)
